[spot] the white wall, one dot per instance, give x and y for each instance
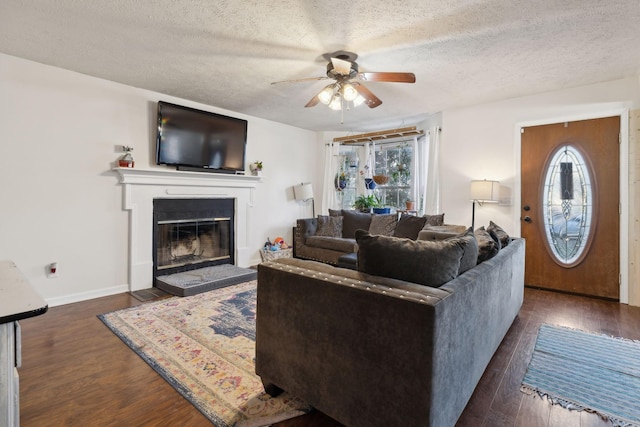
(482, 142)
(61, 201)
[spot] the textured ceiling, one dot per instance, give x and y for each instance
(226, 53)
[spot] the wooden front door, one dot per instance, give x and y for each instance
(570, 206)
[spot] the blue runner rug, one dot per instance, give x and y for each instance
(586, 371)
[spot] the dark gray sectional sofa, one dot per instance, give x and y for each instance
(327, 238)
(372, 351)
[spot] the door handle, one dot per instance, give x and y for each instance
(526, 208)
(527, 219)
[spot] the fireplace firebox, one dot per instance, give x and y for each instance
(192, 233)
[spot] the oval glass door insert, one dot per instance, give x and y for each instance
(567, 197)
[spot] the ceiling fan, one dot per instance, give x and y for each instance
(347, 87)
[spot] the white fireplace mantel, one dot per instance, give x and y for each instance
(142, 186)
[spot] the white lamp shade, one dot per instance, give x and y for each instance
(485, 191)
(303, 191)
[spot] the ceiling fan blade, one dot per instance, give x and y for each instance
(313, 102)
(388, 77)
(300, 80)
(341, 66)
(371, 100)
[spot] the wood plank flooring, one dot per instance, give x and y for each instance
(77, 373)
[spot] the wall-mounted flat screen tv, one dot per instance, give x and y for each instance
(192, 139)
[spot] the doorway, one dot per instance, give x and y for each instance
(570, 206)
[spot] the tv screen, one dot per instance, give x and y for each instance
(199, 139)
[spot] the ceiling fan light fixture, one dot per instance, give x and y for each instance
(336, 102)
(359, 100)
(326, 95)
(349, 93)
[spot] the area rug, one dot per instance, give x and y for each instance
(586, 371)
(204, 346)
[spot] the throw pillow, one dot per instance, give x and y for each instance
(502, 235)
(383, 224)
(488, 247)
(354, 220)
(329, 226)
(333, 212)
(427, 263)
(470, 246)
(409, 226)
(435, 219)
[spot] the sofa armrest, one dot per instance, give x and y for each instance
(304, 228)
(320, 335)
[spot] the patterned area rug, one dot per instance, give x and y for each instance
(586, 371)
(204, 346)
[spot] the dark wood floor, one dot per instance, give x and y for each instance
(77, 373)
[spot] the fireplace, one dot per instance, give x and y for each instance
(141, 188)
(192, 233)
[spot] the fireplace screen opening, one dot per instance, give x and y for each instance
(192, 241)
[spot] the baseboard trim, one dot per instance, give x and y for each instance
(84, 296)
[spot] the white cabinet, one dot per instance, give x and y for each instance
(17, 301)
(10, 392)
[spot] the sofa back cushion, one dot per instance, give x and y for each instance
(470, 246)
(384, 224)
(329, 226)
(435, 219)
(488, 244)
(498, 231)
(409, 226)
(429, 263)
(354, 220)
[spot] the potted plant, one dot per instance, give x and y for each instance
(256, 168)
(341, 181)
(410, 204)
(369, 184)
(365, 203)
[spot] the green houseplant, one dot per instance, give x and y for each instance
(365, 203)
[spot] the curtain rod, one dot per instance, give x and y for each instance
(380, 135)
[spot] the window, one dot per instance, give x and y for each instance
(394, 161)
(348, 162)
(567, 205)
(389, 159)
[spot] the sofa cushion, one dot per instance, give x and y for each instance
(329, 226)
(424, 262)
(338, 244)
(470, 245)
(409, 226)
(383, 225)
(502, 235)
(354, 220)
(435, 219)
(440, 232)
(334, 212)
(488, 247)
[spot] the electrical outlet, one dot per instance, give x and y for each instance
(52, 270)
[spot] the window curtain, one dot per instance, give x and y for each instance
(331, 168)
(365, 169)
(417, 181)
(431, 173)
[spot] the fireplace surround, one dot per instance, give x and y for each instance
(142, 186)
(192, 233)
